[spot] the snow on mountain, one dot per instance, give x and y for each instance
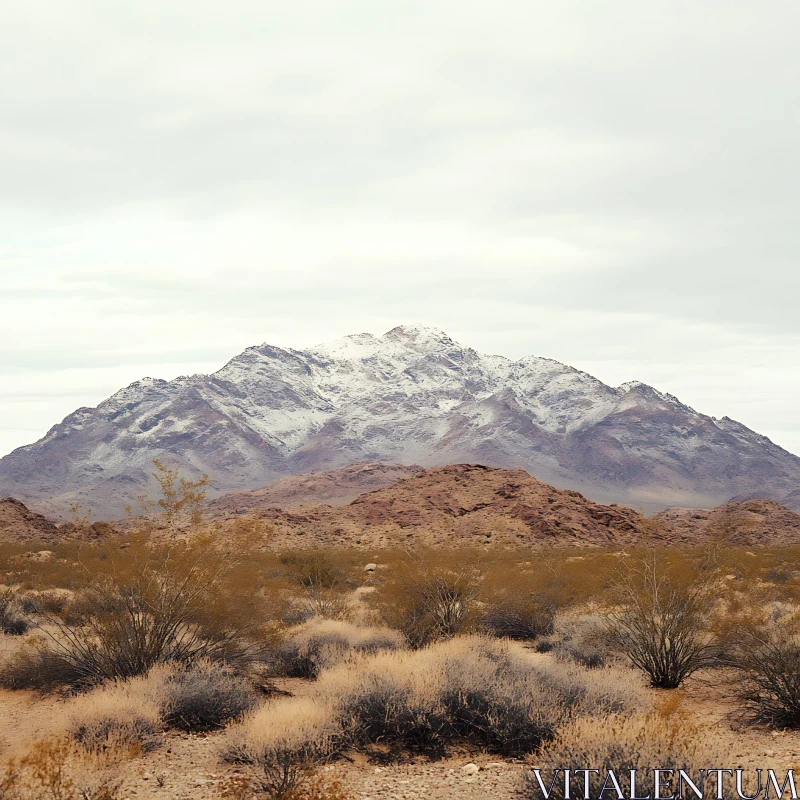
(413, 395)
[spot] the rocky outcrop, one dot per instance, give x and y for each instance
(750, 523)
(336, 487)
(455, 505)
(18, 523)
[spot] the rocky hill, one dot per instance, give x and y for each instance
(332, 487)
(790, 501)
(411, 396)
(750, 523)
(459, 504)
(18, 523)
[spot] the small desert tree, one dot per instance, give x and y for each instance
(153, 604)
(180, 497)
(427, 602)
(662, 616)
(145, 602)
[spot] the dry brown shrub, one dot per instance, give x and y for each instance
(55, 770)
(313, 787)
(581, 637)
(205, 697)
(427, 600)
(766, 656)
(320, 787)
(35, 666)
(315, 569)
(518, 604)
(470, 691)
(624, 742)
(663, 612)
(318, 583)
(322, 643)
(279, 744)
(13, 619)
(156, 604)
(121, 718)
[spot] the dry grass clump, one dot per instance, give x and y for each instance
(123, 717)
(469, 691)
(57, 770)
(205, 697)
(13, 620)
(582, 639)
(624, 742)
(280, 743)
(323, 643)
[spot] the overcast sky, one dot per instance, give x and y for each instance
(614, 185)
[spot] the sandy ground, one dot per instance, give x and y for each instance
(189, 766)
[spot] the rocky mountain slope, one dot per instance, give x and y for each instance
(18, 523)
(791, 500)
(750, 523)
(336, 487)
(459, 504)
(411, 396)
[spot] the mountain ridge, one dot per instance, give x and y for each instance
(411, 396)
(396, 506)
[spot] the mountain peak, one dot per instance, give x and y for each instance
(413, 338)
(418, 334)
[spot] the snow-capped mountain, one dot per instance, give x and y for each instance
(411, 396)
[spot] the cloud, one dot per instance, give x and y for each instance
(612, 185)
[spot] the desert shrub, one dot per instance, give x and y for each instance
(662, 617)
(13, 621)
(543, 645)
(49, 602)
(321, 643)
(55, 769)
(520, 602)
(313, 570)
(321, 580)
(767, 659)
(582, 639)
(315, 601)
(122, 717)
(591, 659)
(428, 602)
(205, 697)
(279, 744)
(313, 787)
(159, 605)
(519, 617)
(621, 743)
(36, 666)
(321, 787)
(472, 690)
